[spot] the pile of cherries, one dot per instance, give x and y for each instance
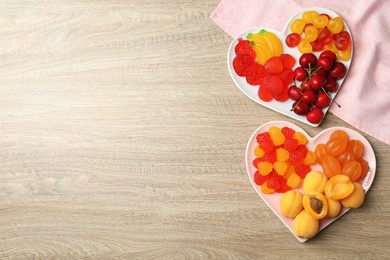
(318, 79)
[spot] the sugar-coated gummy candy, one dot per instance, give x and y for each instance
(280, 167)
(302, 139)
(282, 154)
(260, 179)
(302, 170)
(294, 180)
(258, 152)
(276, 135)
(310, 158)
(265, 168)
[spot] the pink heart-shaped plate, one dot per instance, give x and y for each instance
(273, 200)
(251, 91)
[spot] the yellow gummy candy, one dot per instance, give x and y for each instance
(277, 135)
(265, 168)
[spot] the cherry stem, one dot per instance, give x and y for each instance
(299, 101)
(331, 99)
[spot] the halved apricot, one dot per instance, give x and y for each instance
(315, 204)
(339, 187)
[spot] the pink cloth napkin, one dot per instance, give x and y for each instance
(365, 94)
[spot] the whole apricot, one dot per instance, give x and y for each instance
(304, 225)
(315, 181)
(334, 207)
(291, 203)
(356, 198)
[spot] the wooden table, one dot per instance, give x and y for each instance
(123, 136)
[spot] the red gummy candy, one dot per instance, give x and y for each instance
(290, 144)
(263, 136)
(243, 47)
(288, 132)
(302, 149)
(256, 161)
(274, 84)
(273, 182)
(270, 157)
(283, 186)
(287, 77)
(255, 74)
(287, 60)
(282, 96)
(260, 179)
(302, 170)
(241, 63)
(264, 94)
(296, 157)
(273, 65)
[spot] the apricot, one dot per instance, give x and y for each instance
(304, 225)
(315, 204)
(356, 198)
(291, 203)
(315, 181)
(339, 187)
(334, 207)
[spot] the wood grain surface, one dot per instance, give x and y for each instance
(123, 137)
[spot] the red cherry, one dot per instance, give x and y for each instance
(325, 63)
(300, 74)
(305, 84)
(331, 85)
(330, 54)
(308, 96)
(294, 93)
(315, 115)
(308, 59)
(300, 108)
(317, 81)
(322, 100)
(338, 71)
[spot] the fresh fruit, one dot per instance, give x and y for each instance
(334, 207)
(304, 225)
(307, 60)
(356, 198)
(291, 203)
(315, 204)
(338, 71)
(300, 74)
(294, 93)
(339, 187)
(322, 100)
(315, 116)
(317, 81)
(315, 181)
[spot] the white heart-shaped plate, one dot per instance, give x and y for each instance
(251, 91)
(273, 200)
